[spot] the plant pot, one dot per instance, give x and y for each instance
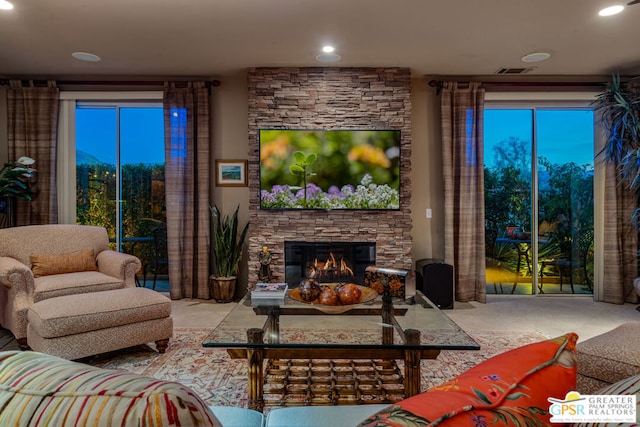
(222, 288)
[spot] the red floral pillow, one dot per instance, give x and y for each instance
(509, 389)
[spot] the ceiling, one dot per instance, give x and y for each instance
(214, 38)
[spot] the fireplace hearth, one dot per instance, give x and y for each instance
(328, 262)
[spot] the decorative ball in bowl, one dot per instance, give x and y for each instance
(349, 294)
(329, 296)
(309, 290)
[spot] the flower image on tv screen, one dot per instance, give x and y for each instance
(329, 169)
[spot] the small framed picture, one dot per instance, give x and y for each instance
(231, 173)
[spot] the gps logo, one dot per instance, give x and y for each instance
(576, 408)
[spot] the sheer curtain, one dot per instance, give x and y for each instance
(462, 108)
(32, 122)
(186, 121)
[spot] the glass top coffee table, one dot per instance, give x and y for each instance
(328, 355)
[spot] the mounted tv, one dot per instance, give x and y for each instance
(329, 169)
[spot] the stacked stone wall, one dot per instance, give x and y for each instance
(329, 98)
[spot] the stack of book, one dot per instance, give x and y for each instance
(268, 293)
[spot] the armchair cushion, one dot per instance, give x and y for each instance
(59, 285)
(46, 265)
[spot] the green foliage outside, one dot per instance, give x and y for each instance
(565, 201)
(142, 204)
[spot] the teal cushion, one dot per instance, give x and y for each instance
(231, 416)
(321, 416)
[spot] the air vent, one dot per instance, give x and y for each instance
(513, 70)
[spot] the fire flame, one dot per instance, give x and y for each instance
(329, 267)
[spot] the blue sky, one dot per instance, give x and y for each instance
(563, 135)
(142, 134)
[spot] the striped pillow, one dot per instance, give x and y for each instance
(42, 390)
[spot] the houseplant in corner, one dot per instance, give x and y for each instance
(227, 252)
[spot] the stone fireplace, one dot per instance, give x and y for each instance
(329, 98)
(327, 262)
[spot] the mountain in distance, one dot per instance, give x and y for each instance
(84, 158)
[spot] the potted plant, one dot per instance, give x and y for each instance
(14, 184)
(619, 106)
(227, 252)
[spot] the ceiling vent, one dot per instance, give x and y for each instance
(512, 71)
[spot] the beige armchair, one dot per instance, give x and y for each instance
(39, 262)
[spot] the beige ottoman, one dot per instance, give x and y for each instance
(76, 326)
(608, 358)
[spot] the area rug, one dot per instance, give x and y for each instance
(220, 380)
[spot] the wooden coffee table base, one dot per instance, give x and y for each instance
(318, 376)
(320, 382)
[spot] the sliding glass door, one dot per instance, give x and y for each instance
(539, 200)
(120, 173)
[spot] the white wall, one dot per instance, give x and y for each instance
(426, 164)
(229, 140)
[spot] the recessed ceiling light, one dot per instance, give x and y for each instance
(328, 49)
(328, 57)
(85, 56)
(611, 10)
(536, 57)
(5, 5)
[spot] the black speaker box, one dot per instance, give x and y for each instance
(435, 279)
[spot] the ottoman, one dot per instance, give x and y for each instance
(608, 358)
(76, 326)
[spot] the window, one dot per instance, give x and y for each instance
(115, 163)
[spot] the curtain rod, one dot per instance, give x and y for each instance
(439, 83)
(211, 83)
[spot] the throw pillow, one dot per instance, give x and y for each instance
(509, 389)
(40, 390)
(45, 265)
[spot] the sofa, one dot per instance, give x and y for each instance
(41, 262)
(608, 358)
(517, 387)
(513, 385)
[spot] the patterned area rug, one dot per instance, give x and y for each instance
(220, 380)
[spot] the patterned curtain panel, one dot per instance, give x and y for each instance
(620, 240)
(186, 121)
(32, 121)
(463, 169)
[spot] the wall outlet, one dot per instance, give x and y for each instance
(428, 213)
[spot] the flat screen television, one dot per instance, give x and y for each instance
(329, 169)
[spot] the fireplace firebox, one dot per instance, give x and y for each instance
(328, 262)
